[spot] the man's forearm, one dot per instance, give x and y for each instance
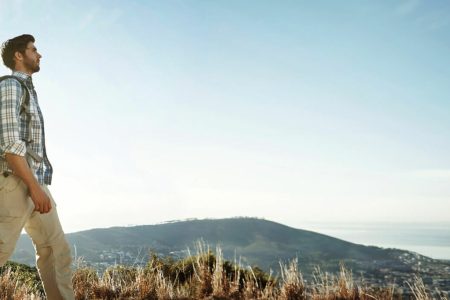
(20, 168)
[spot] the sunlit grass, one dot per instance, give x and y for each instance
(205, 275)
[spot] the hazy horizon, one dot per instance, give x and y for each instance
(297, 225)
(291, 111)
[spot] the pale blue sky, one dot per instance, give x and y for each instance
(295, 111)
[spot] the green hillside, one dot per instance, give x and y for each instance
(257, 242)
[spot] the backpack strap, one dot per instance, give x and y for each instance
(25, 108)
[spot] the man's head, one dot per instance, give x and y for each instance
(20, 54)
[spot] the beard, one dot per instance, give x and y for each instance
(32, 65)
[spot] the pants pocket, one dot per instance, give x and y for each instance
(13, 197)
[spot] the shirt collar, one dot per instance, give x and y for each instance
(22, 75)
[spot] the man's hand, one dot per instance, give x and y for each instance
(20, 168)
(40, 199)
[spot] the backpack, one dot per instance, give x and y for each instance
(25, 109)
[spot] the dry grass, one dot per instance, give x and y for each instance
(420, 292)
(208, 276)
(13, 288)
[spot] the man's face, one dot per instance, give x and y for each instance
(31, 58)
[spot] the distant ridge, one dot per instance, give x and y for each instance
(256, 241)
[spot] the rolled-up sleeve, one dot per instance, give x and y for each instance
(10, 95)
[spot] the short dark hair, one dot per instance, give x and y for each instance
(11, 46)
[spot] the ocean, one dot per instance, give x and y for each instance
(429, 239)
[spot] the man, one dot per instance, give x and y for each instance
(25, 172)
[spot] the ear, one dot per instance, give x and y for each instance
(18, 56)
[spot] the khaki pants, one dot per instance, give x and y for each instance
(53, 256)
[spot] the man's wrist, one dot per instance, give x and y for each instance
(33, 185)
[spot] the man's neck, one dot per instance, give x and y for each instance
(23, 70)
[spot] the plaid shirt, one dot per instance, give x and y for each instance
(14, 127)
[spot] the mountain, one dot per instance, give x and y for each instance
(254, 241)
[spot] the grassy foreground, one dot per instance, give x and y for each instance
(204, 275)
